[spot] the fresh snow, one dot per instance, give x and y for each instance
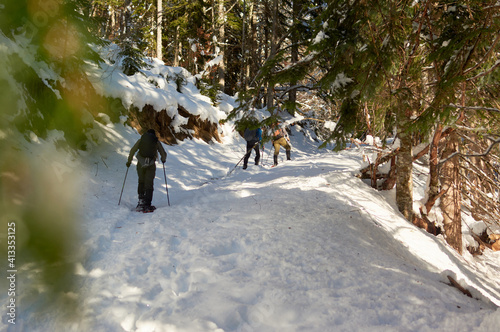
(305, 246)
(155, 86)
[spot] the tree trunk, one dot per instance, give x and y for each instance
(404, 183)
(110, 33)
(433, 162)
(252, 48)
(222, 41)
(159, 22)
(177, 47)
(434, 192)
(274, 33)
(404, 159)
(292, 95)
(451, 200)
(243, 80)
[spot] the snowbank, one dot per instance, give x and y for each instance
(160, 86)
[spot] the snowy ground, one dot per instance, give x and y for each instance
(305, 246)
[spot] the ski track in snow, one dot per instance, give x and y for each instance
(304, 246)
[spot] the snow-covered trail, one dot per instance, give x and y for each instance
(284, 249)
(305, 246)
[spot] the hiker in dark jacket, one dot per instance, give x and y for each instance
(280, 139)
(147, 147)
(253, 137)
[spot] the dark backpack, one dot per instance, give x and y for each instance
(250, 135)
(147, 146)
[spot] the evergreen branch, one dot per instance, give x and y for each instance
(486, 56)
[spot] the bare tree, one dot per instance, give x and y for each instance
(159, 23)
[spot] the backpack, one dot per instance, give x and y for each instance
(250, 135)
(279, 133)
(147, 146)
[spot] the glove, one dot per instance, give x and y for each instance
(128, 164)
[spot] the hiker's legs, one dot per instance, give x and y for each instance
(247, 155)
(284, 143)
(149, 178)
(257, 153)
(140, 185)
(276, 147)
(251, 145)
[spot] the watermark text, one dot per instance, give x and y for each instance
(11, 272)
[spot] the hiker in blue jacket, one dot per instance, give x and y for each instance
(253, 137)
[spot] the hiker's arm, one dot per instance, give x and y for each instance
(133, 151)
(163, 154)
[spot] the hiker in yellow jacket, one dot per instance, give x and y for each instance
(280, 139)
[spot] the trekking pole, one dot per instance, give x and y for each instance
(268, 154)
(236, 165)
(119, 201)
(166, 186)
(250, 151)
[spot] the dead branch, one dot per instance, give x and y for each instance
(471, 185)
(424, 223)
(493, 216)
(475, 108)
(432, 200)
(421, 153)
(384, 159)
(488, 150)
(374, 170)
(454, 283)
(479, 172)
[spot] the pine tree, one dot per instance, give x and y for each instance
(463, 40)
(421, 58)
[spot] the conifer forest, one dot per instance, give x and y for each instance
(425, 73)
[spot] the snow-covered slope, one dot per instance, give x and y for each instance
(305, 246)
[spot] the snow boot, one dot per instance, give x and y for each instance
(244, 166)
(275, 160)
(148, 197)
(288, 155)
(149, 208)
(140, 205)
